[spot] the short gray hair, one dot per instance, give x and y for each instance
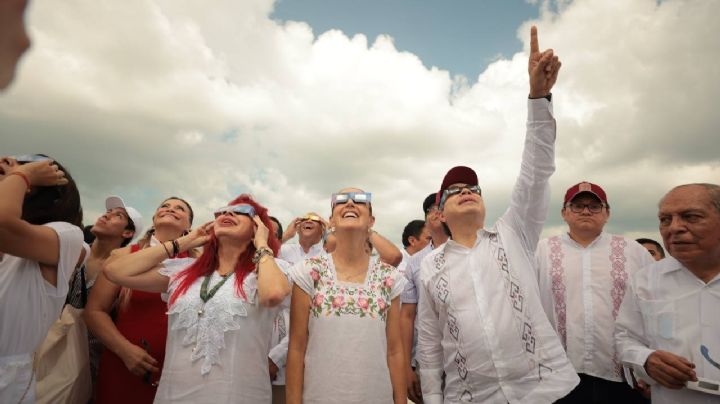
(713, 191)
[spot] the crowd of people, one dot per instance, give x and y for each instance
(230, 310)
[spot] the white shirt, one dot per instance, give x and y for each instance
(219, 356)
(412, 273)
(29, 305)
(581, 289)
(480, 319)
(294, 253)
(667, 307)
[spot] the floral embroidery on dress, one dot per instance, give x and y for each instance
(371, 299)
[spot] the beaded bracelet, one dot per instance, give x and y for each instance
(166, 250)
(261, 252)
(176, 248)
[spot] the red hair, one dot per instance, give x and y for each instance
(208, 262)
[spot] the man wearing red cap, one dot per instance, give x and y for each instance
(582, 276)
(480, 320)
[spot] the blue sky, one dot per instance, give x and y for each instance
(462, 36)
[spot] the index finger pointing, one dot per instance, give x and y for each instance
(534, 47)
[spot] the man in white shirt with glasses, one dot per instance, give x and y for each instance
(668, 329)
(482, 333)
(582, 276)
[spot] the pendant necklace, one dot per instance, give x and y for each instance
(205, 296)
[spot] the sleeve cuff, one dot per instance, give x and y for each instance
(540, 109)
(431, 383)
(278, 356)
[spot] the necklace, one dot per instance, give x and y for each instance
(205, 295)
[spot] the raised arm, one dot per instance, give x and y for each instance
(272, 283)
(531, 194)
(140, 269)
(18, 237)
(387, 251)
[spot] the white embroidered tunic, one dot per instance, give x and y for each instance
(667, 307)
(219, 356)
(480, 320)
(581, 290)
(346, 355)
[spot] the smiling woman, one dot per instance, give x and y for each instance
(132, 324)
(345, 309)
(219, 335)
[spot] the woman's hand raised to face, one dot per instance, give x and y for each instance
(261, 233)
(199, 236)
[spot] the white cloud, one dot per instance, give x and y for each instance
(154, 98)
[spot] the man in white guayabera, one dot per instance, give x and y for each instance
(668, 329)
(480, 320)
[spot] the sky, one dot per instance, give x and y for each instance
(295, 99)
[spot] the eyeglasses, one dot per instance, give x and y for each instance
(235, 210)
(454, 190)
(592, 207)
(30, 158)
(357, 197)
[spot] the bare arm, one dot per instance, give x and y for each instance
(295, 369)
(97, 317)
(387, 251)
(18, 237)
(140, 270)
(290, 231)
(396, 359)
(408, 312)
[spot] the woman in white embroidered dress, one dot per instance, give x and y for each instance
(345, 343)
(219, 335)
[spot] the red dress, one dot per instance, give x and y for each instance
(144, 318)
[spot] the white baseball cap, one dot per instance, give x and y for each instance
(114, 201)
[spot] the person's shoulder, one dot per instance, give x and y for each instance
(433, 262)
(65, 228)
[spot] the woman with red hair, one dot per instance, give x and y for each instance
(218, 335)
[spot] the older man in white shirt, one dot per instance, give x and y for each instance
(668, 330)
(582, 276)
(480, 320)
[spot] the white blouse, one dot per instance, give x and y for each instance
(216, 351)
(29, 305)
(346, 356)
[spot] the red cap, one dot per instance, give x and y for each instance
(457, 175)
(588, 187)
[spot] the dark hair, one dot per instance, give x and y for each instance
(130, 226)
(88, 236)
(279, 229)
(412, 229)
(54, 204)
(428, 202)
(653, 242)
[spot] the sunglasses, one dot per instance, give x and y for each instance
(357, 197)
(235, 210)
(309, 217)
(30, 158)
(475, 189)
